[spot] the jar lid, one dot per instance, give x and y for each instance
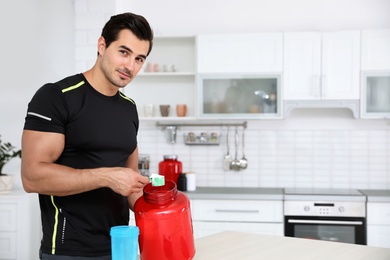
(171, 156)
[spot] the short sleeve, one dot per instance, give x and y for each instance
(47, 110)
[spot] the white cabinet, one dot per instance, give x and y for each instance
(214, 216)
(375, 79)
(378, 224)
(239, 96)
(20, 231)
(376, 50)
(167, 86)
(322, 66)
(235, 53)
(239, 75)
(375, 100)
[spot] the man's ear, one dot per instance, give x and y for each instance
(101, 45)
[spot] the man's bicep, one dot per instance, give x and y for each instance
(42, 146)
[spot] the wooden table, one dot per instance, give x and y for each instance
(242, 246)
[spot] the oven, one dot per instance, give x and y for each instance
(338, 216)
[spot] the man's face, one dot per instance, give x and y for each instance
(123, 59)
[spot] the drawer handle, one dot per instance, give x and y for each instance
(236, 211)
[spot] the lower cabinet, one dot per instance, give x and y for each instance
(253, 216)
(378, 224)
(20, 231)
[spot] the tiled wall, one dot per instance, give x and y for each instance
(282, 157)
(327, 152)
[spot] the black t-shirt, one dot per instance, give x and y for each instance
(100, 131)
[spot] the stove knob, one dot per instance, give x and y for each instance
(341, 209)
(306, 208)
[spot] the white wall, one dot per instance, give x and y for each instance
(180, 17)
(37, 46)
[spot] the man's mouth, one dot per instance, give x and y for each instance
(125, 74)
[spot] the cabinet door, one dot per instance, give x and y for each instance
(302, 66)
(322, 66)
(340, 77)
(376, 50)
(375, 99)
(378, 235)
(247, 53)
(202, 229)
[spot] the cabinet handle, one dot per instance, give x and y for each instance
(236, 211)
(324, 222)
(323, 85)
(317, 86)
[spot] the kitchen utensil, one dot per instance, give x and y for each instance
(243, 160)
(235, 164)
(170, 133)
(228, 159)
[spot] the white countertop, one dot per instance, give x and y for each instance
(377, 195)
(246, 246)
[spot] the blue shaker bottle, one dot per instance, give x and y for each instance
(124, 242)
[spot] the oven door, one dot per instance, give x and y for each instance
(338, 229)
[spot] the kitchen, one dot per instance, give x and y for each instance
(313, 148)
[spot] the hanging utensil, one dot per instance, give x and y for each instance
(243, 160)
(227, 160)
(235, 164)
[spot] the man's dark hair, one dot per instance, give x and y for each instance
(137, 24)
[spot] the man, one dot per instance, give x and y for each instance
(79, 146)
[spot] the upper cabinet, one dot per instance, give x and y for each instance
(240, 53)
(376, 50)
(375, 77)
(239, 75)
(322, 66)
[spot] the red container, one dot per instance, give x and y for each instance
(163, 216)
(171, 168)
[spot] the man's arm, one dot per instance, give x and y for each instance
(132, 163)
(41, 175)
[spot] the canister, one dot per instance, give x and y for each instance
(163, 215)
(171, 168)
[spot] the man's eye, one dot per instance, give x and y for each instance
(140, 59)
(123, 52)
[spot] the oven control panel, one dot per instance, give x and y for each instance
(322, 208)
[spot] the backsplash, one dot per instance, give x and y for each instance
(335, 153)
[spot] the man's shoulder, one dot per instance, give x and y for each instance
(70, 82)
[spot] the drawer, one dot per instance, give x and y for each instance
(8, 245)
(237, 210)
(202, 228)
(378, 213)
(8, 217)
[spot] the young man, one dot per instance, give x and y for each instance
(79, 146)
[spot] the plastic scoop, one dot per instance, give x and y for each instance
(157, 179)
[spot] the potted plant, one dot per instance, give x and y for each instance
(7, 152)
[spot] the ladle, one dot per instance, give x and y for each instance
(235, 164)
(243, 160)
(228, 159)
